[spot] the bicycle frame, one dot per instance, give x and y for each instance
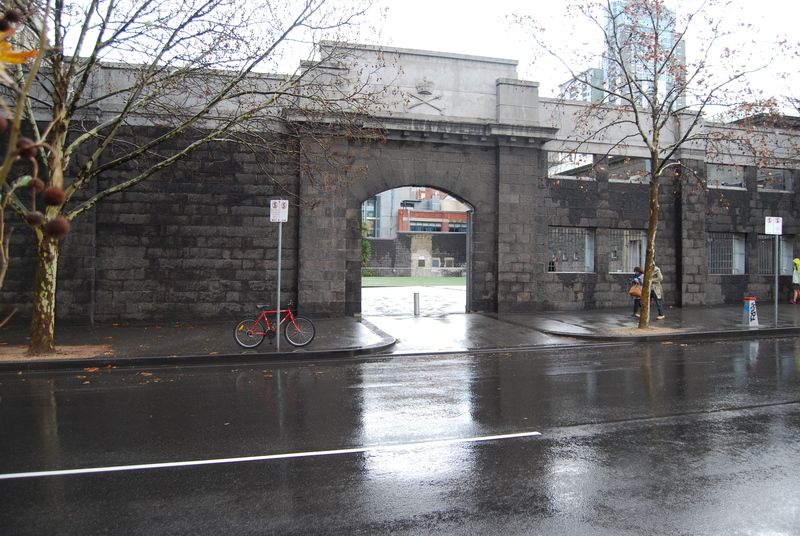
(265, 317)
(298, 330)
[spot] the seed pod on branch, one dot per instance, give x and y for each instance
(53, 196)
(34, 218)
(57, 228)
(26, 148)
(13, 16)
(36, 185)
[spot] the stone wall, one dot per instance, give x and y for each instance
(191, 244)
(195, 243)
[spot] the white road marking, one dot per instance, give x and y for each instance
(166, 465)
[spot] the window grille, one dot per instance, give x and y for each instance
(725, 253)
(766, 255)
(627, 249)
(573, 249)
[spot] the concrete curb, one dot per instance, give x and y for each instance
(376, 350)
(177, 360)
(752, 333)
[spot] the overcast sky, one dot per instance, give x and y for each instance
(485, 29)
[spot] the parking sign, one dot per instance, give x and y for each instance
(773, 225)
(278, 210)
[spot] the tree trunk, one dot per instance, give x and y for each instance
(43, 323)
(649, 263)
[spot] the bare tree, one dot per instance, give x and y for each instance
(194, 69)
(651, 94)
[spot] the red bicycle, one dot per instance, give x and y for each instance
(298, 330)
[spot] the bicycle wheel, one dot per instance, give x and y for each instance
(249, 333)
(302, 334)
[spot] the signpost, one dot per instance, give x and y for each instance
(278, 212)
(774, 226)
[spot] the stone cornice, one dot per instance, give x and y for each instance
(464, 132)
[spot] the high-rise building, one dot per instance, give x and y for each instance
(644, 56)
(641, 37)
(575, 89)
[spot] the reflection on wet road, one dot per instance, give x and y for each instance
(636, 439)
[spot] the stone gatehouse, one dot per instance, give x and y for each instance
(197, 244)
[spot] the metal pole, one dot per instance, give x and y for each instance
(278, 297)
(775, 264)
(468, 261)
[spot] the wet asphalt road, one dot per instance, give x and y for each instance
(635, 439)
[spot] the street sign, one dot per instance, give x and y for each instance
(773, 225)
(278, 210)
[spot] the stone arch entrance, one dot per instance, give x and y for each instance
(418, 235)
(463, 125)
(466, 172)
(330, 235)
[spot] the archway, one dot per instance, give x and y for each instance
(329, 235)
(415, 252)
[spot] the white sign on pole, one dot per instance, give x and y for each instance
(773, 225)
(278, 210)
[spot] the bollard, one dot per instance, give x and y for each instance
(750, 316)
(416, 304)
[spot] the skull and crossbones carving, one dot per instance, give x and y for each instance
(425, 88)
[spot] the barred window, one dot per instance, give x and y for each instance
(572, 248)
(774, 179)
(719, 175)
(627, 249)
(725, 253)
(766, 255)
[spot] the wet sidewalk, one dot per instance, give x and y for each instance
(394, 329)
